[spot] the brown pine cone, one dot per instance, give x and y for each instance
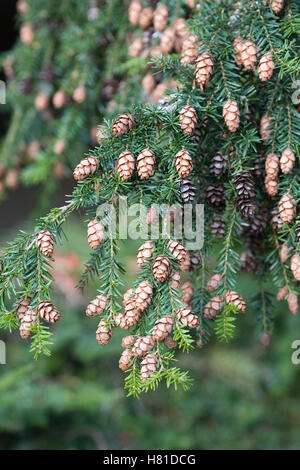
(175, 279)
(125, 360)
(59, 99)
(160, 17)
(97, 306)
(266, 67)
(146, 17)
(217, 165)
(217, 226)
(276, 221)
(233, 298)
(187, 191)
(163, 326)
(215, 194)
(103, 333)
(144, 293)
(188, 292)
(213, 282)
(272, 165)
(231, 115)
(185, 264)
(145, 163)
(136, 47)
(265, 128)
(287, 161)
(48, 312)
(95, 233)
(22, 308)
(45, 243)
(27, 323)
(292, 301)
(213, 307)
(121, 321)
(282, 293)
(284, 252)
(127, 341)
(287, 208)
(169, 342)
(145, 252)
(248, 54)
(204, 69)
(271, 185)
(238, 45)
(244, 185)
(265, 340)
(195, 260)
(122, 124)
(148, 83)
(276, 5)
(188, 119)
(187, 317)
(161, 268)
(148, 367)
(247, 208)
(134, 12)
(295, 266)
(167, 40)
(125, 165)
(177, 250)
(183, 163)
(86, 167)
(248, 262)
(132, 314)
(189, 50)
(41, 101)
(191, 3)
(142, 345)
(258, 223)
(297, 233)
(127, 295)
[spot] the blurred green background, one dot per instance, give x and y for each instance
(243, 397)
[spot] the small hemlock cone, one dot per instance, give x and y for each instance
(185, 264)
(122, 124)
(103, 333)
(295, 266)
(27, 323)
(45, 243)
(148, 366)
(287, 161)
(132, 315)
(161, 268)
(217, 226)
(85, 168)
(248, 54)
(204, 69)
(233, 298)
(217, 165)
(175, 279)
(266, 67)
(213, 307)
(183, 163)
(248, 262)
(188, 119)
(237, 45)
(265, 130)
(160, 17)
(134, 11)
(169, 342)
(121, 321)
(297, 233)
(145, 163)
(276, 5)
(146, 17)
(125, 360)
(187, 191)
(167, 40)
(287, 208)
(135, 47)
(127, 341)
(292, 301)
(213, 282)
(145, 252)
(215, 194)
(187, 317)
(276, 221)
(272, 165)
(22, 308)
(191, 3)
(244, 185)
(142, 345)
(188, 292)
(271, 185)
(163, 326)
(95, 233)
(189, 50)
(282, 293)
(148, 83)
(284, 252)
(231, 115)
(97, 306)
(144, 292)
(125, 165)
(48, 312)
(177, 249)
(246, 207)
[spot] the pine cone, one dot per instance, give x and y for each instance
(194, 260)
(231, 115)
(148, 366)
(213, 307)
(103, 333)
(167, 40)
(248, 262)
(271, 185)
(253, 240)
(145, 252)
(191, 3)
(163, 326)
(146, 18)
(265, 340)
(188, 292)
(189, 51)
(125, 165)
(127, 295)
(238, 45)
(95, 233)
(204, 69)
(246, 208)
(175, 279)
(297, 233)
(185, 264)
(215, 194)
(125, 360)
(148, 83)
(282, 293)
(169, 342)
(183, 163)
(144, 293)
(272, 165)
(284, 252)
(248, 54)
(213, 282)
(161, 268)
(122, 124)
(276, 5)
(187, 191)
(265, 128)
(217, 226)
(135, 49)
(266, 67)
(142, 345)
(86, 167)
(287, 161)
(177, 250)
(134, 12)
(276, 221)
(287, 208)
(132, 314)
(127, 341)
(258, 223)
(145, 163)
(25, 85)
(160, 17)
(292, 301)
(217, 165)
(259, 167)
(233, 298)
(244, 185)
(27, 323)
(295, 266)
(187, 317)
(188, 119)
(121, 321)
(97, 306)
(22, 308)
(45, 243)
(48, 312)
